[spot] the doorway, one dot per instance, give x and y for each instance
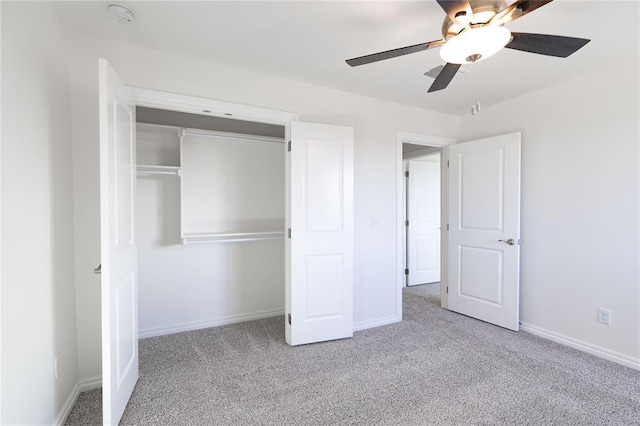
(419, 145)
(422, 214)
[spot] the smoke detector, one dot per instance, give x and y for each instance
(120, 13)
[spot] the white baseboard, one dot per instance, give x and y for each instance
(61, 418)
(90, 383)
(83, 385)
(376, 323)
(197, 325)
(589, 348)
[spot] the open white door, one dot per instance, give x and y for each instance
(319, 287)
(118, 250)
(423, 231)
(484, 234)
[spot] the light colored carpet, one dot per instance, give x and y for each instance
(435, 367)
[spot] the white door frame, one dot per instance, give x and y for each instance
(424, 140)
(203, 106)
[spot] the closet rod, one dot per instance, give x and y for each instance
(229, 135)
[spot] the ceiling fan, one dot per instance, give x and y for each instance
(473, 30)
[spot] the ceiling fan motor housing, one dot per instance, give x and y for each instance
(483, 11)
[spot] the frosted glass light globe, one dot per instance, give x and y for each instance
(475, 44)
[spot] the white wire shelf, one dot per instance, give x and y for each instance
(144, 169)
(231, 237)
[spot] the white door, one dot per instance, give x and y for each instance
(484, 235)
(319, 282)
(423, 214)
(118, 250)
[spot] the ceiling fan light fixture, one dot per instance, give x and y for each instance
(475, 44)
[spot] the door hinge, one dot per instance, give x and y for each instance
(406, 271)
(447, 226)
(289, 146)
(289, 318)
(447, 289)
(447, 163)
(406, 223)
(406, 174)
(289, 233)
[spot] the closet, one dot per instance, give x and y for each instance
(210, 220)
(192, 221)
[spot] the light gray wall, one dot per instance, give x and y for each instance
(38, 292)
(411, 151)
(580, 206)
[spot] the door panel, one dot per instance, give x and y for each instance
(324, 286)
(320, 251)
(324, 185)
(484, 213)
(423, 232)
(481, 274)
(482, 200)
(118, 250)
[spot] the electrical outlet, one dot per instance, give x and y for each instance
(604, 316)
(56, 366)
(375, 222)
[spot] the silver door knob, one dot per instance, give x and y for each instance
(510, 241)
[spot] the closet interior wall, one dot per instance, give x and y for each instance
(205, 181)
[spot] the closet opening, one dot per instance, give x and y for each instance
(210, 220)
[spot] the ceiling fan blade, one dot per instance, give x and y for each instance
(444, 78)
(545, 44)
(517, 10)
(393, 53)
(454, 7)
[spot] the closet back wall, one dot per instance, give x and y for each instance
(185, 287)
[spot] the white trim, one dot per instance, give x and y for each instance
(589, 348)
(64, 412)
(376, 323)
(90, 383)
(197, 325)
(422, 139)
(196, 105)
(426, 140)
(83, 385)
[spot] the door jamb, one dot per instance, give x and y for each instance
(425, 140)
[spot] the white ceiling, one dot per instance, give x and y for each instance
(309, 41)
